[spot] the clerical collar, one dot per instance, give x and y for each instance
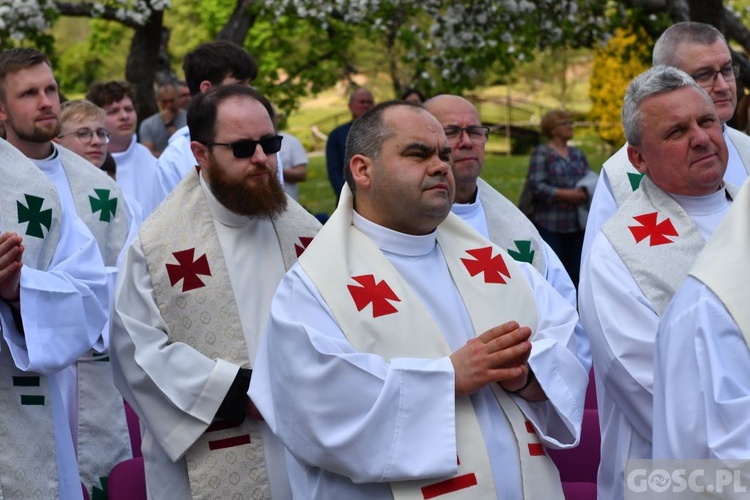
(703, 205)
(219, 211)
(51, 164)
(392, 241)
(468, 210)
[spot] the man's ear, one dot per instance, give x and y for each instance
(200, 151)
(361, 170)
(637, 159)
(204, 86)
(3, 112)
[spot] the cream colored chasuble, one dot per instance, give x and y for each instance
(402, 327)
(723, 266)
(193, 290)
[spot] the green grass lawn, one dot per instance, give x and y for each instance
(505, 173)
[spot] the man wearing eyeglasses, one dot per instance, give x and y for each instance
(644, 252)
(194, 294)
(488, 211)
(701, 51)
(48, 319)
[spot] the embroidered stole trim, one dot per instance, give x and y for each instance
(103, 439)
(341, 252)
(27, 427)
(99, 202)
(509, 228)
(658, 267)
(741, 143)
(623, 176)
(722, 266)
(226, 459)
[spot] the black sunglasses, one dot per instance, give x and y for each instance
(246, 147)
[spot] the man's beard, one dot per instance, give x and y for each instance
(37, 134)
(259, 201)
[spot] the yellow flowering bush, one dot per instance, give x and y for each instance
(626, 55)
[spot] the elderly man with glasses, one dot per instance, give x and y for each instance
(701, 51)
(193, 297)
(488, 211)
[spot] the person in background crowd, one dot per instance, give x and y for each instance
(155, 131)
(360, 101)
(554, 172)
(136, 166)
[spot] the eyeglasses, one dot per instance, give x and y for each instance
(85, 135)
(707, 78)
(477, 134)
(246, 147)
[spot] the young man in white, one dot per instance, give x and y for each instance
(136, 166)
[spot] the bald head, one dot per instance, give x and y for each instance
(467, 153)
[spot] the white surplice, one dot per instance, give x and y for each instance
(353, 423)
(136, 175)
(176, 389)
(702, 380)
(555, 273)
(603, 204)
(621, 324)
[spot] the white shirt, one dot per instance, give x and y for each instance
(292, 154)
(347, 414)
(621, 324)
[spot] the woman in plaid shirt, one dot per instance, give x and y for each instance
(554, 170)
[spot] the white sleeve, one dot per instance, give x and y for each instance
(64, 308)
(621, 324)
(556, 366)
(558, 277)
(603, 206)
(332, 405)
(174, 388)
(701, 380)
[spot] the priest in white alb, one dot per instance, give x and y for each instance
(701, 51)
(192, 298)
(406, 354)
(644, 252)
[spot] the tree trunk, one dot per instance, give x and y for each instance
(239, 23)
(141, 66)
(707, 11)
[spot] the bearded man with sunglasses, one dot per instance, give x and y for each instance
(194, 295)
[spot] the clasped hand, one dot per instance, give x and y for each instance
(498, 355)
